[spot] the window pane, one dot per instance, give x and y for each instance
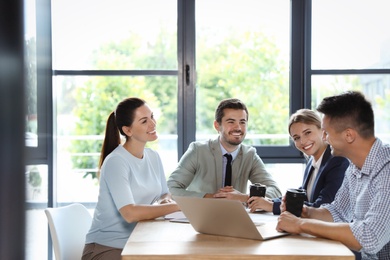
(350, 34)
(287, 175)
(31, 76)
(83, 106)
(128, 34)
(375, 87)
(242, 51)
(36, 202)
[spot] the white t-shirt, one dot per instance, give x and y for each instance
(124, 180)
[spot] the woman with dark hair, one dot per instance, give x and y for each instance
(132, 181)
(324, 173)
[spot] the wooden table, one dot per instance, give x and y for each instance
(161, 239)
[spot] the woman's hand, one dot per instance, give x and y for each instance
(166, 198)
(165, 201)
(255, 203)
(283, 204)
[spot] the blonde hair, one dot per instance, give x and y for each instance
(305, 116)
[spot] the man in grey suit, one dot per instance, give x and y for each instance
(201, 170)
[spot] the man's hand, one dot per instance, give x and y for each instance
(305, 209)
(230, 193)
(288, 222)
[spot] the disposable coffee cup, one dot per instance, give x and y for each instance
(257, 190)
(294, 201)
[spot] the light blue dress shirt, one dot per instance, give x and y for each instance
(363, 200)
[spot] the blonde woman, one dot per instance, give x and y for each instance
(324, 173)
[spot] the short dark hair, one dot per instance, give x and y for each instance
(349, 110)
(232, 103)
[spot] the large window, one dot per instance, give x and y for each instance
(31, 70)
(350, 34)
(125, 48)
(183, 57)
(243, 51)
(114, 35)
(351, 51)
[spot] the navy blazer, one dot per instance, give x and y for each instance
(328, 181)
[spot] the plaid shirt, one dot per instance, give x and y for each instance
(363, 200)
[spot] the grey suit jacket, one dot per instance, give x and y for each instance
(200, 171)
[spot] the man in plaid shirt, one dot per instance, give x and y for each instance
(359, 216)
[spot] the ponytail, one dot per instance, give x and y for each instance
(111, 139)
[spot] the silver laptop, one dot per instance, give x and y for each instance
(225, 218)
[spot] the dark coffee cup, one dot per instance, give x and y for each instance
(257, 190)
(294, 201)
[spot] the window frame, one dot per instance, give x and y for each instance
(42, 153)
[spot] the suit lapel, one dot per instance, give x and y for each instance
(217, 153)
(236, 166)
(306, 177)
(325, 158)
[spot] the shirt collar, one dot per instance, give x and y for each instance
(317, 164)
(369, 163)
(234, 153)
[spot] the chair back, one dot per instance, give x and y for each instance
(68, 227)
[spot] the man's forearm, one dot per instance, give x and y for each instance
(319, 213)
(334, 231)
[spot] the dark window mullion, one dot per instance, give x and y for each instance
(186, 63)
(115, 72)
(350, 71)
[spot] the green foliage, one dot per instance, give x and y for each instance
(243, 65)
(247, 66)
(99, 96)
(34, 177)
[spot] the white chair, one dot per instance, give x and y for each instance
(68, 227)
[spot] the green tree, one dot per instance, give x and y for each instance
(251, 63)
(98, 97)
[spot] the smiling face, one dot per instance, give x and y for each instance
(308, 139)
(143, 128)
(232, 129)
